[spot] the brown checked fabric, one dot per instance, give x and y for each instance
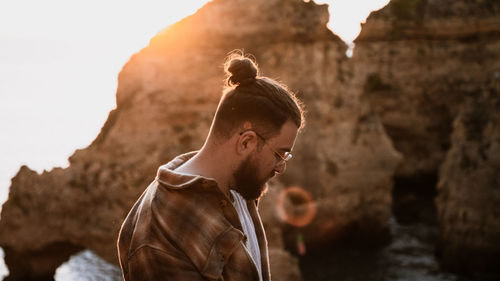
(184, 228)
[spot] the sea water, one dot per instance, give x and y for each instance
(84, 266)
(408, 257)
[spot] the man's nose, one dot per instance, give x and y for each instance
(280, 167)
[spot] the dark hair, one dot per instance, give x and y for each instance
(262, 101)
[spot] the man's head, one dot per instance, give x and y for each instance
(262, 159)
(260, 119)
(263, 102)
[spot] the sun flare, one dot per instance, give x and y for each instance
(59, 65)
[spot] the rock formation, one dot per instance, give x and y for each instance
(166, 97)
(416, 61)
(417, 66)
(422, 64)
(469, 187)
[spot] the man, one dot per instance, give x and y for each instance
(198, 220)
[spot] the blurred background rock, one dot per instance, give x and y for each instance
(400, 154)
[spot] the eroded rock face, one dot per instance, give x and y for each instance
(166, 98)
(422, 64)
(416, 62)
(469, 187)
(343, 157)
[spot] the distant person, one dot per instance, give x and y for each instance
(198, 219)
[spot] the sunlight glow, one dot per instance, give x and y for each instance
(295, 206)
(59, 62)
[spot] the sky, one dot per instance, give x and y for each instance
(59, 63)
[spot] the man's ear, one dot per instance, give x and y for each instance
(246, 142)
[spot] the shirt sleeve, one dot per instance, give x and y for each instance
(148, 264)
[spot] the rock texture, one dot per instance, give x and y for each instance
(166, 97)
(422, 64)
(415, 61)
(469, 187)
(418, 65)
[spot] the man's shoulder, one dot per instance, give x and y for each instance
(173, 211)
(192, 198)
(200, 194)
(165, 219)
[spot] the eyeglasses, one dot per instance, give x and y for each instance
(283, 158)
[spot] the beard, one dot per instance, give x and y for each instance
(248, 184)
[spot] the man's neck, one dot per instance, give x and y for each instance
(209, 164)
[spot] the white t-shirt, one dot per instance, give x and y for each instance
(249, 229)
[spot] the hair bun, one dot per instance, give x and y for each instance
(241, 71)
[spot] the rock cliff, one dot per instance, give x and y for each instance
(415, 62)
(469, 186)
(167, 94)
(423, 66)
(422, 70)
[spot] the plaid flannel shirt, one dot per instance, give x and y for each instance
(185, 228)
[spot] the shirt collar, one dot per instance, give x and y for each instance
(168, 176)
